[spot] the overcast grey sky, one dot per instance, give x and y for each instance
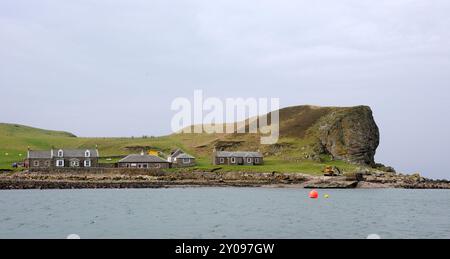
(112, 68)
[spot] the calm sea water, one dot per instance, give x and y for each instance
(224, 213)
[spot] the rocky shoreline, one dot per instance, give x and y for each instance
(146, 179)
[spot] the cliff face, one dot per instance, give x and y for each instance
(346, 133)
(350, 134)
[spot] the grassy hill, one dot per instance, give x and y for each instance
(15, 140)
(299, 148)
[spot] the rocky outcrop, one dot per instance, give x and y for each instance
(349, 134)
(394, 180)
(140, 178)
(345, 133)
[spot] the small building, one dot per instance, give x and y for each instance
(60, 158)
(179, 158)
(237, 158)
(143, 161)
(153, 152)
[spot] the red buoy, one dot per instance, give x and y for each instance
(314, 194)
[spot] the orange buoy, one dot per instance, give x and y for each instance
(314, 194)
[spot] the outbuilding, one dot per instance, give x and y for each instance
(179, 158)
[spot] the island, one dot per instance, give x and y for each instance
(311, 138)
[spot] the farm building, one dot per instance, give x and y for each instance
(237, 158)
(180, 159)
(143, 161)
(57, 158)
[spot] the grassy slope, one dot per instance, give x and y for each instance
(15, 139)
(288, 155)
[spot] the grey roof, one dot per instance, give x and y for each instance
(67, 153)
(40, 154)
(238, 154)
(135, 158)
(180, 154)
(176, 153)
(185, 156)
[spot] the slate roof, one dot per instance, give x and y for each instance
(67, 153)
(135, 158)
(180, 154)
(185, 156)
(176, 153)
(239, 154)
(40, 154)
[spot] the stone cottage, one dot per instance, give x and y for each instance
(60, 158)
(237, 158)
(179, 158)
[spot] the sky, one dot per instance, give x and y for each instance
(112, 68)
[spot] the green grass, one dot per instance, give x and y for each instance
(276, 165)
(15, 139)
(7, 157)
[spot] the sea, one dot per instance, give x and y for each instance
(224, 213)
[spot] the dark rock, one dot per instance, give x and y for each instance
(331, 185)
(350, 134)
(384, 168)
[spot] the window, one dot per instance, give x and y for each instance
(186, 161)
(60, 153)
(222, 160)
(257, 160)
(249, 160)
(47, 163)
(87, 163)
(233, 160)
(36, 163)
(158, 165)
(87, 153)
(60, 163)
